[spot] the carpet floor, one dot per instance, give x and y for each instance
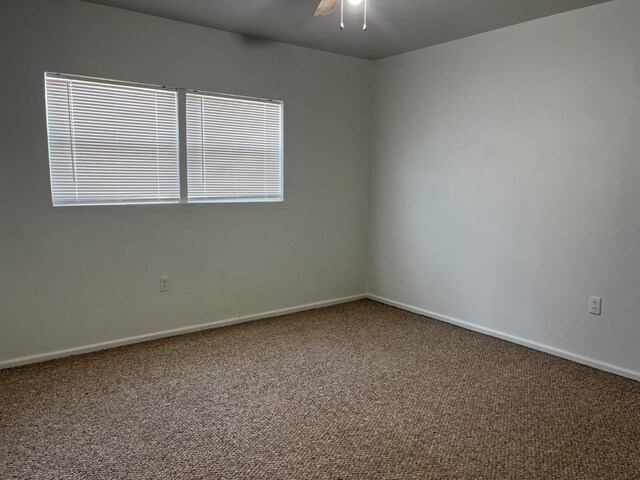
(359, 390)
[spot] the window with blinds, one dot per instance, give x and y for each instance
(234, 148)
(111, 143)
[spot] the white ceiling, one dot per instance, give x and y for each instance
(395, 26)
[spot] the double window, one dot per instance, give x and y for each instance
(117, 143)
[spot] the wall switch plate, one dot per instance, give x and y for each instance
(164, 283)
(595, 305)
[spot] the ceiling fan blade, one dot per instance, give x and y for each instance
(325, 7)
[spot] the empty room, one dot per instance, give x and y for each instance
(320, 239)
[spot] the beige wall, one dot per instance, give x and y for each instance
(74, 276)
(506, 182)
(504, 185)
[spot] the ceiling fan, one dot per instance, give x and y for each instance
(325, 7)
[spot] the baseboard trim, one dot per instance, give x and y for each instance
(511, 338)
(42, 357)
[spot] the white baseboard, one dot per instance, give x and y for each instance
(41, 357)
(512, 338)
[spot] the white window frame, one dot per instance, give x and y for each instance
(182, 113)
(120, 200)
(182, 145)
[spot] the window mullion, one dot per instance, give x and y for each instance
(182, 144)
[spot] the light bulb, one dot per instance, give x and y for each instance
(355, 2)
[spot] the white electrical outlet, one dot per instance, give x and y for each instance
(595, 305)
(164, 283)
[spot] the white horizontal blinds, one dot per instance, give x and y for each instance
(111, 143)
(234, 149)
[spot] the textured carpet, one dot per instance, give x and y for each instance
(359, 390)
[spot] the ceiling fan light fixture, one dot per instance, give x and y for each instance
(325, 7)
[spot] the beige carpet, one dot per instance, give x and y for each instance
(360, 390)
